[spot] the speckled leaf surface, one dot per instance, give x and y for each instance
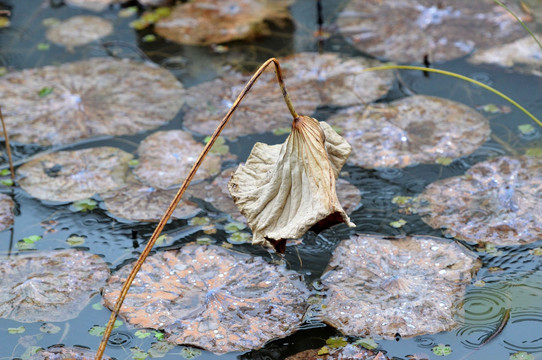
(93, 5)
(79, 30)
(65, 353)
(497, 201)
(377, 286)
(212, 298)
(350, 351)
(95, 97)
(6, 211)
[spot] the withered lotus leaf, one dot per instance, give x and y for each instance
(380, 287)
(497, 201)
(205, 22)
(79, 30)
(212, 298)
(94, 5)
(351, 352)
(166, 157)
(49, 286)
(408, 30)
(6, 211)
(74, 175)
(284, 190)
(58, 352)
(416, 129)
(95, 97)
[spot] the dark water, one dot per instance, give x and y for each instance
(517, 288)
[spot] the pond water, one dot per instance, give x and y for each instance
(515, 288)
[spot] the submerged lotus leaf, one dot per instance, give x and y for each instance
(497, 201)
(79, 30)
(349, 351)
(205, 22)
(49, 286)
(523, 55)
(59, 352)
(95, 97)
(412, 130)
(6, 211)
(212, 298)
(166, 157)
(94, 5)
(381, 287)
(408, 30)
(74, 175)
(140, 202)
(284, 190)
(262, 110)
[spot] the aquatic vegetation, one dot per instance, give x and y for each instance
(348, 351)
(6, 211)
(412, 130)
(378, 286)
(78, 30)
(496, 201)
(212, 298)
(89, 98)
(49, 286)
(74, 175)
(58, 352)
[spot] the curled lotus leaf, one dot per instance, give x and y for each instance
(49, 286)
(212, 298)
(286, 189)
(416, 129)
(95, 97)
(58, 352)
(166, 157)
(205, 22)
(6, 211)
(74, 175)
(79, 30)
(408, 30)
(93, 5)
(262, 110)
(349, 351)
(497, 201)
(382, 287)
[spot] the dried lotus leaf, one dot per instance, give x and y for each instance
(79, 30)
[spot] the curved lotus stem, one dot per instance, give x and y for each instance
(8, 147)
(182, 189)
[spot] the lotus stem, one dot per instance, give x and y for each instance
(8, 148)
(182, 189)
(519, 20)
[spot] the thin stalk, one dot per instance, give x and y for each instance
(182, 189)
(8, 148)
(519, 20)
(457, 76)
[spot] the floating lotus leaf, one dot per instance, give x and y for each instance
(95, 97)
(262, 110)
(383, 287)
(49, 286)
(58, 352)
(6, 211)
(144, 203)
(524, 55)
(412, 130)
(212, 298)
(166, 157)
(407, 30)
(94, 5)
(74, 175)
(205, 22)
(79, 30)
(350, 351)
(497, 201)
(284, 190)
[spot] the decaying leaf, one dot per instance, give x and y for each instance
(6, 211)
(351, 352)
(408, 30)
(205, 22)
(376, 286)
(58, 352)
(94, 5)
(74, 175)
(78, 30)
(412, 130)
(497, 201)
(49, 286)
(101, 96)
(212, 298)
(284, 190)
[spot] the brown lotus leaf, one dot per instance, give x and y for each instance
(74, 175)
(262, 110)
(349, 351)
(284, 190)
(212, 298)
(6, 211)
(166, 157)
(79, 30)
(411, 130)
(408, 30)
(140, 202)
(93, 5)
(58, 352)
(380, 287)
(49, 286)
(205, 22)
(523, 55)
(497, 201)
(95, 97)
